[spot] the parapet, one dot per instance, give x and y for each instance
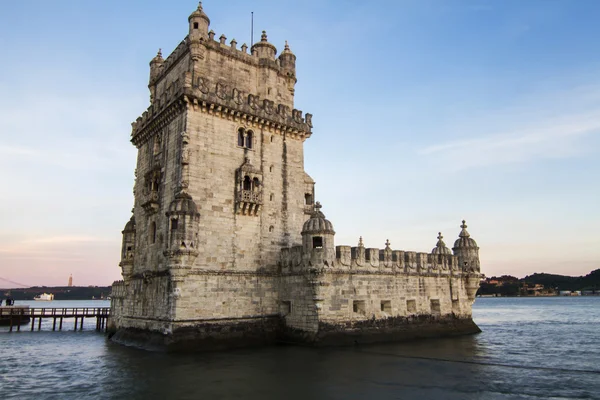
(375, 260)
(221, 97)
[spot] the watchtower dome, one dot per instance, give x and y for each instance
(318, 238)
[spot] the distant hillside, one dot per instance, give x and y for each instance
(507, 285)
(59, 292)
(561, 282)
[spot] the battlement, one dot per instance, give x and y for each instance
(219, 97)
(371, 260)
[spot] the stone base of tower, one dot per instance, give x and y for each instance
(205, 336)
(243, 333)
(396, 329)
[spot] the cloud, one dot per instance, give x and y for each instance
(560, 137)
(16, 151)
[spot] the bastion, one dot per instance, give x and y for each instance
(226, 246)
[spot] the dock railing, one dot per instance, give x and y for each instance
(17, 316)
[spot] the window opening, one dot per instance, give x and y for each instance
(153, 232)
(241, 137)
(174, 224)
(195, 25)
(386, 306)
(358, 307)
(308, 200)
(247, 184)
(411, 306)
(317, 242)
(249, 139)
(255, 184)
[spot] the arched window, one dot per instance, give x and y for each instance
(271, 228)
(271, 168)
(153, 232)
(247, 185)
(255, 184)
(271, 197)
(249, 137)
(241, 137)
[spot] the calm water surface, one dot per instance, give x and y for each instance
(530, 348)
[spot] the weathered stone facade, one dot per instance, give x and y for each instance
(226, 246)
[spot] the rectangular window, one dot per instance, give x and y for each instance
(435, 307)
(358, 307)
(174, 224)
(317, 242)
(286, 308)
(386, 306)
(411, 306)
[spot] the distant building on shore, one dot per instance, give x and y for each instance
(70, 284)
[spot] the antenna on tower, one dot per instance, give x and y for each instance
(252, 28)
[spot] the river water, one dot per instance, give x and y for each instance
(530, 348)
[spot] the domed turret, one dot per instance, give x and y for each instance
(467, 251)
(287, 61)
(464, 238)
(184, 219)
(317, 223)
(128, 248)
(440, 247)
(264, 49)
(156, 67)
(199, 23)
(318, 239)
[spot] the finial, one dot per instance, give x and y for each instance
(360, 242)
(318, 206)
(199, 6)
(222, 39)
(263, 37)
(244, 47)
(159, 54)
(387, 243)
(464, 232)
(464, 224)
(440, 237)
(211, 34)
(233, 43)
(287, 46)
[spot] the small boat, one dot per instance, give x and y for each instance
(44, 297)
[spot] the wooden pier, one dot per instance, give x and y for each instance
(17, 316)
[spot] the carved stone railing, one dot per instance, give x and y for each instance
(150, 202)
(248, 202)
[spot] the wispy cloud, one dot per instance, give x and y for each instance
(559, 137)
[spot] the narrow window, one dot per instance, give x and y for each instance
(255, 184)
(317, 242)
(241, 137)
(153, 232)
(271, 139)
(271, 168)
(308, 200)
(247, 185)
(271, 197)
(174, 224)
(195, 25)
(269, 91)
(271, 228)
(435, 307)
(249, 139)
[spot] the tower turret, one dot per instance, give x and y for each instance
(128, 248)
(156, 67)
(467, 251)
(318, 242)
(199, 23)
(287, 61)
(264, 49)
(183, 226)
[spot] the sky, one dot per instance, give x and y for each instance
(426, 112)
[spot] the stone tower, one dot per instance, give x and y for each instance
(220, 184)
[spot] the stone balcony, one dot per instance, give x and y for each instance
(150, 202)
(248, 202)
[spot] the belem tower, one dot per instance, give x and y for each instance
(226, 246)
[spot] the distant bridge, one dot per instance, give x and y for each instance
(16, 316)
